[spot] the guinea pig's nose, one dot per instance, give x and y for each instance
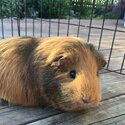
(85, 100)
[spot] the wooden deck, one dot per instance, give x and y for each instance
(111, 110)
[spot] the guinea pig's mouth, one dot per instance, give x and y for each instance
(72, 106)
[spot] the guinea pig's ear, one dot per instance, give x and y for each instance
(101, 62)
(62, 62)
(57, 61)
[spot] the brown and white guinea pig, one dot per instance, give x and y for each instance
(60, 71)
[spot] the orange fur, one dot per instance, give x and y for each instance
(35, 71)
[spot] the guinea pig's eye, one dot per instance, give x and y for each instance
(72, 74)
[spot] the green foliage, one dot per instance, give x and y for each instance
(11, 8)
(54, 8)
(5, 8)
(44, 8)
(86, 8)
(82, 8)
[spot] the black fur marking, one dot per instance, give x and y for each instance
(51, 84)
(26, 51)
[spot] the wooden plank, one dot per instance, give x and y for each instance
(107, 109)
(118, 120)
(115, 63)
(112, 85)
(21, 115)
(8, 109)
(117, 52)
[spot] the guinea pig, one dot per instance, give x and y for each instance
(59, 71)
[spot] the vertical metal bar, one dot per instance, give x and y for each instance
(122, 64)
(104, 15)
(69, 17)
(93, 5)
(41, 9)
(1, 16)
(59, 12)
(11, 15)
(78, 30)
(112, 44)
(33, 17)
(50, 2)
(18, 17)
(25, 12)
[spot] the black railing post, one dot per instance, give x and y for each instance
(1, 18)
(91, 18)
